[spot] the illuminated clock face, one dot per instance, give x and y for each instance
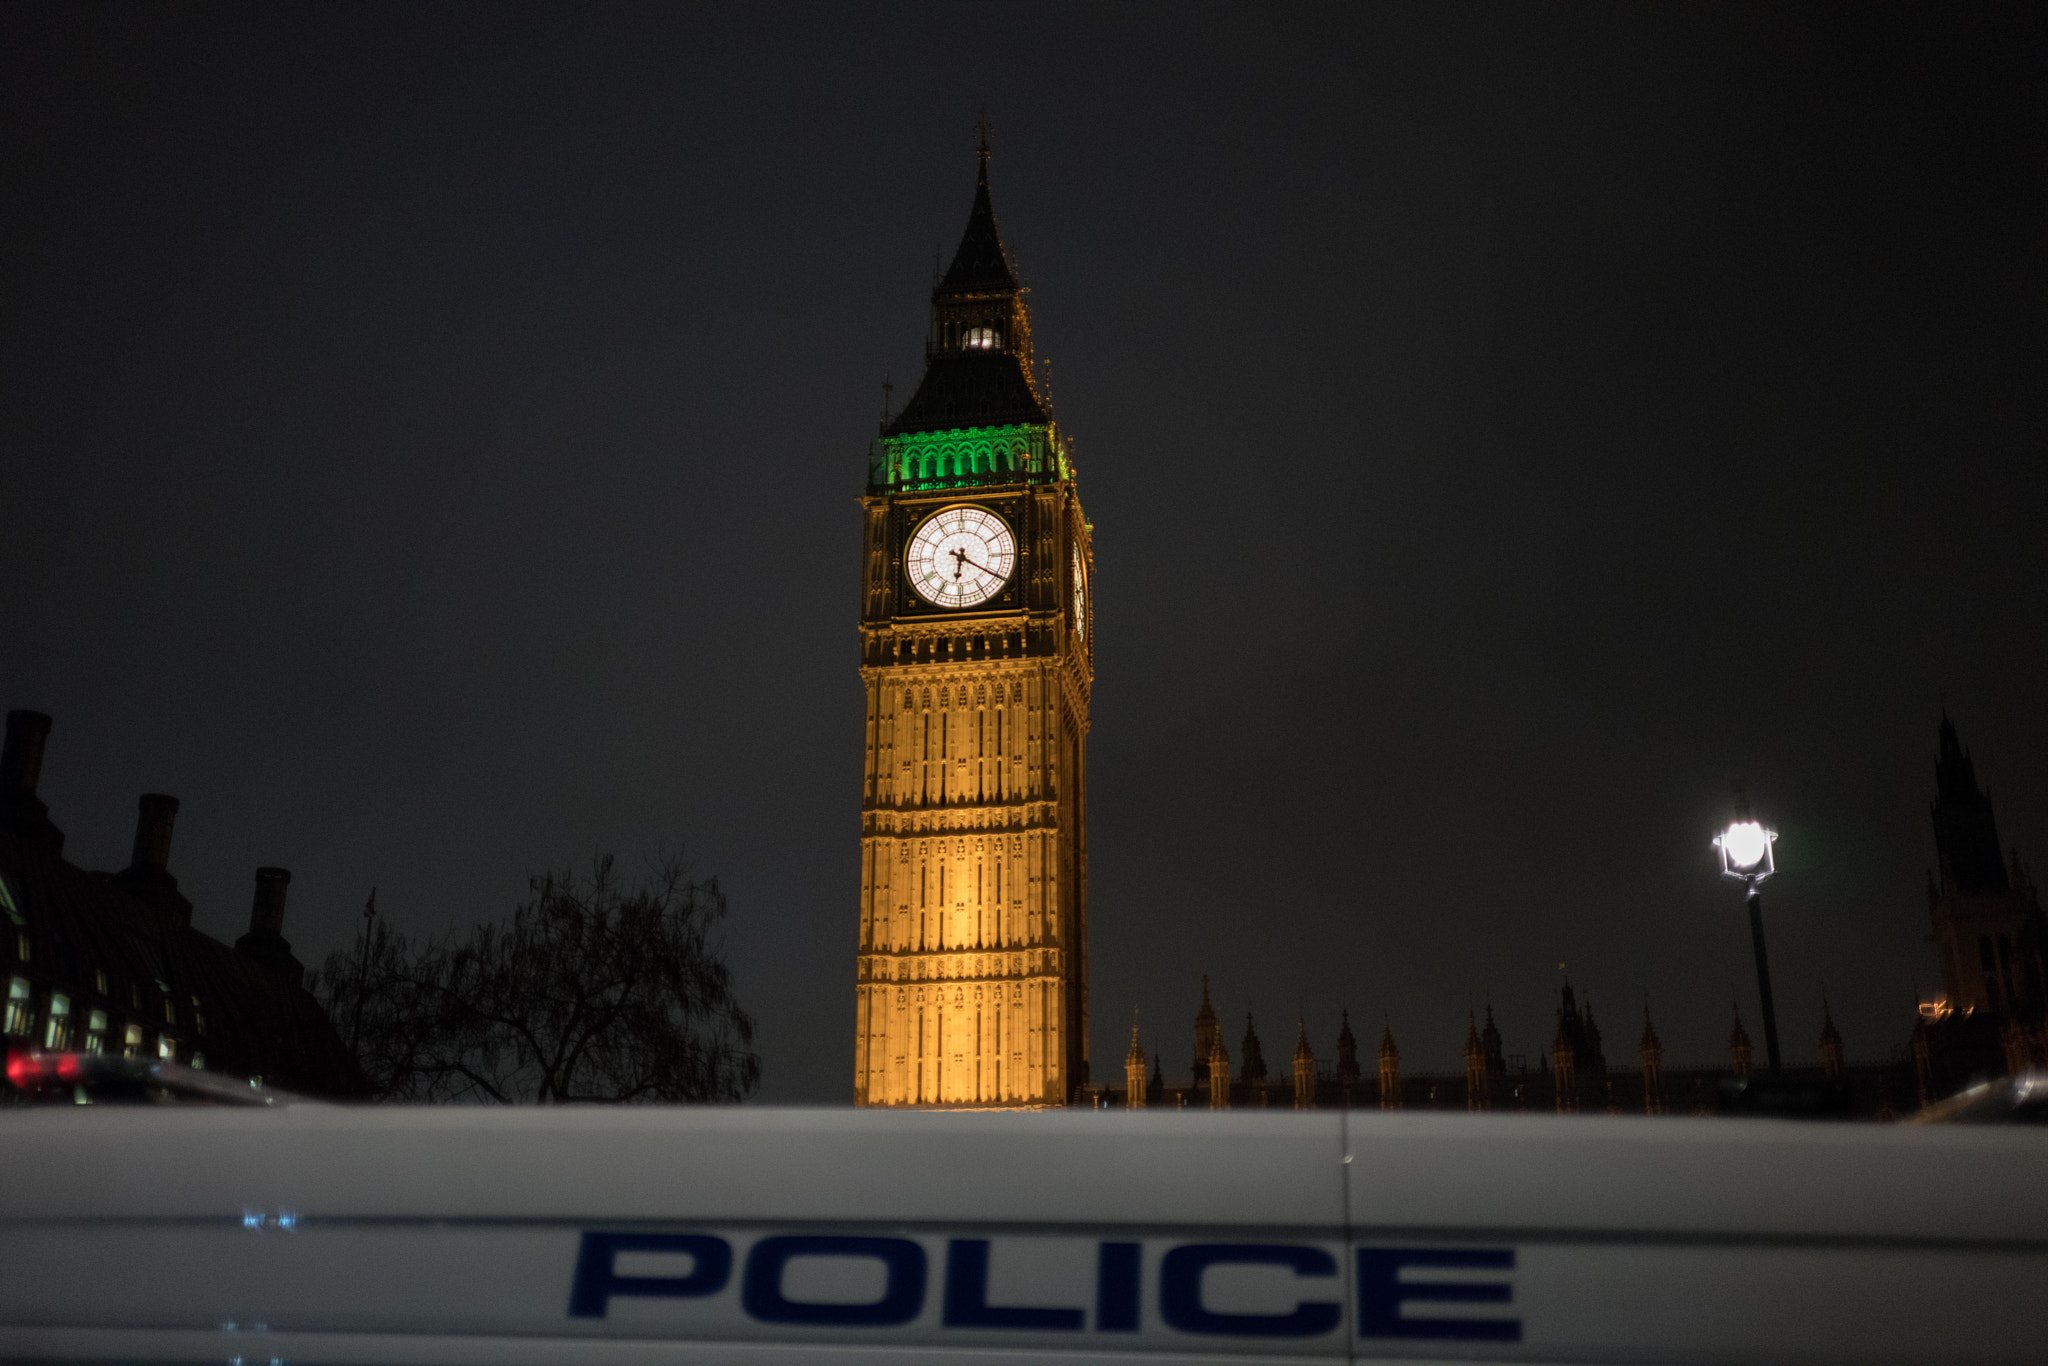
(1080, 599)
(961, 557)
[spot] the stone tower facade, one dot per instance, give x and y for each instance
(1985, 911)
(977, 637)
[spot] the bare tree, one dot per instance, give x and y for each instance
(593, 991)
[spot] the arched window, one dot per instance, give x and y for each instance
(981, 339)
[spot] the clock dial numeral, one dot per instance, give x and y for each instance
(961, 557)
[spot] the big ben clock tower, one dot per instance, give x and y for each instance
(976, 641)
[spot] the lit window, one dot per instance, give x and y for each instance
(57, 1034)
(131, 1042)
(99, 979)
(166, 1047)
(198, 1019)
(20, 1006)
(981, 338)
(21, 947)
(170, 1011)
(198, 1062)
(96, 1032)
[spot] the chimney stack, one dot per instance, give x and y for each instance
(21, 768)
(21, 764)
(266, 917)
(148, 874)
(265, 941)
(153, 820)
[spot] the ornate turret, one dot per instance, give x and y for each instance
(1390, 1069)
(1592, 1058)
(1477, 1092)
(1254, 1068)
(1741, 1056)
(1987, 922)
(1489, 1035)
(1830, 1043)
(979, 415)
(1219, 1075)
(1965, 830)
(1304, 1067)
(1564, 1055)
(1347, 1052)
(1207, 1035)
(1134, 1073)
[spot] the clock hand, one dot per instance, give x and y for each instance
(982, 567)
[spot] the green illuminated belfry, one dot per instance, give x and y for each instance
(977, 417)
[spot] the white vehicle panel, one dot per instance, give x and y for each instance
(315, 1233)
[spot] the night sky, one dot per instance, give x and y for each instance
(430, 436)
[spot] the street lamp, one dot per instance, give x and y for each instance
(1745, 849)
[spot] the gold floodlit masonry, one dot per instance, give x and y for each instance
(976, 644)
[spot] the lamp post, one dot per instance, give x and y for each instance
(1745, 849)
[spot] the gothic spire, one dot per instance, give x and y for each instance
(1347, 1049)
(978, 358)
(1254, 1068)
(1965, 829)
(980, 265)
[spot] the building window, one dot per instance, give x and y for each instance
(131, 1042)
(981, 338)
(20, 1006)
(170, 1012)
(21, 947)
(99, 979)
(96, 1032)
(198, 1062)
(198, 1019)
(167, 1047)
(57, 1034)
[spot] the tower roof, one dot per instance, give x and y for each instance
(980, 265)
(977, 359)
(1254, 1055)
(1829, 1035)
(1965, 829)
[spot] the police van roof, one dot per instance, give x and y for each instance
(1445, 1173)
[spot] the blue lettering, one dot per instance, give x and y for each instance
(902, 1293)
(967, 1303)
(596, 1283)
(1180, 1290)
(1381, 1292)
(1116, 1288)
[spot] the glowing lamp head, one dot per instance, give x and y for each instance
(1746, 844)
(1746, 851)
